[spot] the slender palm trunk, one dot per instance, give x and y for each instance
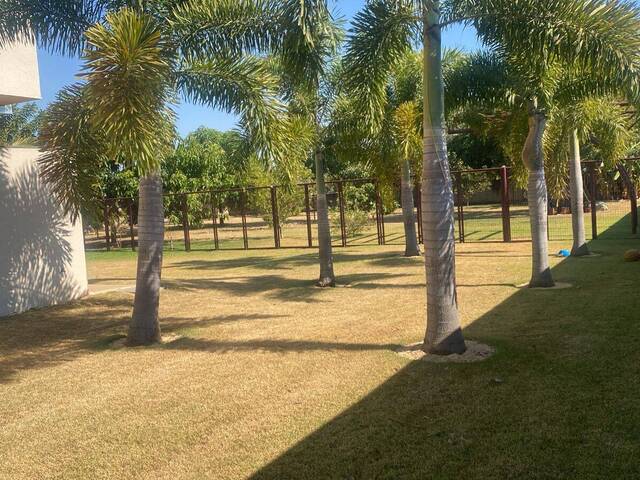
(579, 247)
(411, 248)
(327, 277)
(144, 327)
(533, 158)
(443, 335)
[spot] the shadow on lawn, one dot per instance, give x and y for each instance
(280, 287)
(558, 400)
(47, 337)
(286, 262)
(272, 345)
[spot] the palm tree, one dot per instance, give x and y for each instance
(575, 110)
(133, 70)
(573, 35)
(407, 132)
(602, 122)
(396, 147)
(306, 67)
(381, 35)
(594, 32)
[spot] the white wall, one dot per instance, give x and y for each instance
(41, 253)
(19, 80)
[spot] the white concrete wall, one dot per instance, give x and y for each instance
(19, 80)
(41, 252)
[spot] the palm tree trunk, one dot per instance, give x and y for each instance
(579, 247)
(443, 335)
(327, 277)
(144, 327)
(411, 248)
(533, 158)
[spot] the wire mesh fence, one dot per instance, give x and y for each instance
(489, 207)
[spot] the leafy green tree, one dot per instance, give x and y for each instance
(199, 163)
(21, 127)
(290, 198)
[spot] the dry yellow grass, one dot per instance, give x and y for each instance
(264, 361)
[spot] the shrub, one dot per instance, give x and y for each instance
(354, 221)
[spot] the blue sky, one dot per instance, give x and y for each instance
(57, 71)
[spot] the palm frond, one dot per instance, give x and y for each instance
(381, 35)
(599, 35)
(128, 68)
(73, 151)
(204, 27)
(57, 25)
(310, 37)
(245, 86)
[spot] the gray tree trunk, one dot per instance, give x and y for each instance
(443, 335)
(411, 248)
(533, 158)
(144, 328)
(327, 277)
(579, 247)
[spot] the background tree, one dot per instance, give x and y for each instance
(21, 127)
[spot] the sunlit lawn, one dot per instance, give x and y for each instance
(274, 378)
(482, 223)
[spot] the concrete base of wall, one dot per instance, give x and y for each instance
(42, 258)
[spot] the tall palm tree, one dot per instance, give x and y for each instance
(591, 32)
(396, 148)
(587, 36)
(305, 63)
(213, 65)
(128, 66)
(575, 109)
(602, 122)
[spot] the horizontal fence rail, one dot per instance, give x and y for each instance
(489, 207)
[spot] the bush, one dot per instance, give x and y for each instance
(354, 221)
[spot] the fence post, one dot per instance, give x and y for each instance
(343, 231)
(275, 217)
(308, 212)
(133, 239)
(460, 207)
(185, 224)
(594, 190)
(633, 196)
(214, 217)
(506, 210)
(107, 236)
(243, 213)
(418, 201)
(380, 215)
(378, 224)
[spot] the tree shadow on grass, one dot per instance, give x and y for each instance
(45, 338)
(559, 399)
(271, 345)
(280, 287)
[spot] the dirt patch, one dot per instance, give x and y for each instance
(476, 352)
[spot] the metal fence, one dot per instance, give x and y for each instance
(489, 207)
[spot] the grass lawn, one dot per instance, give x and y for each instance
(482, 223)
(275, 379)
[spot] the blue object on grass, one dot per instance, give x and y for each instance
(564, 253)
